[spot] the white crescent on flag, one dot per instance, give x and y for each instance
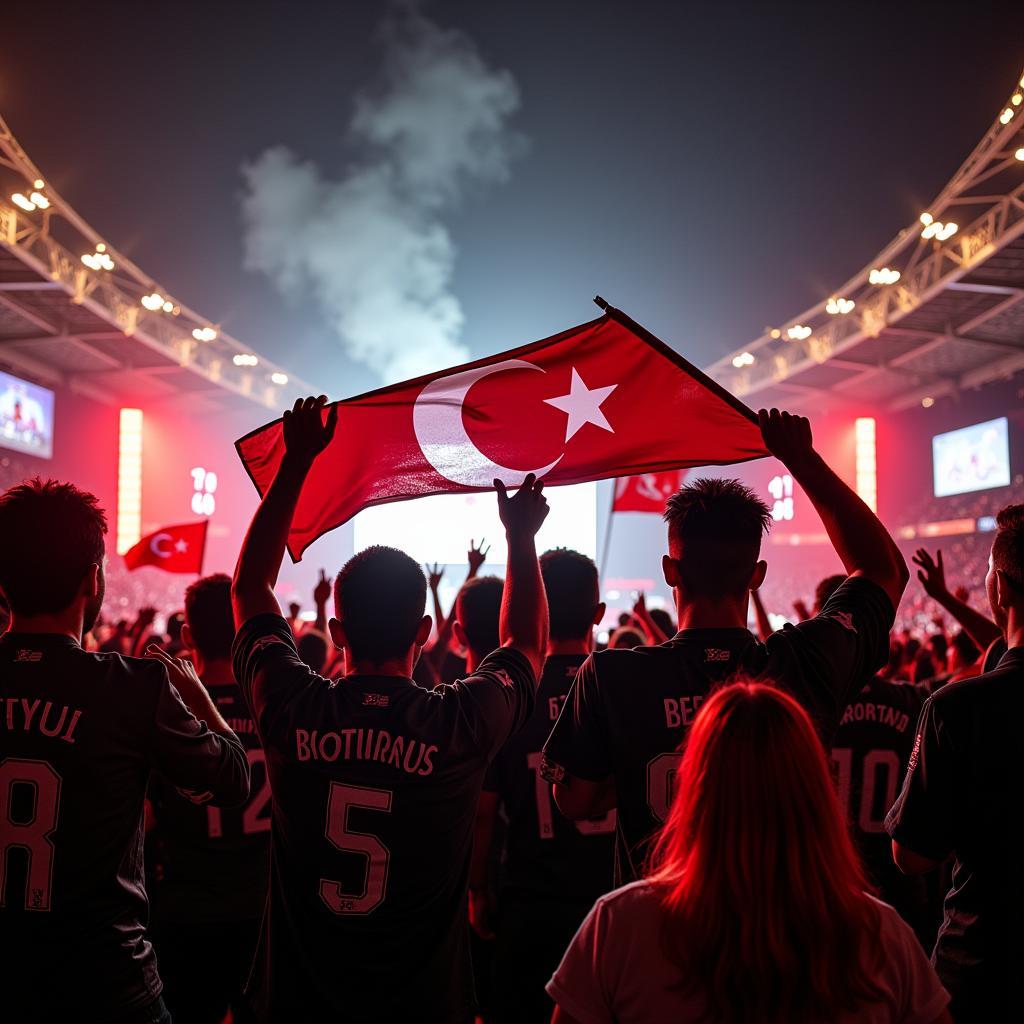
(442, 437)
(154, 545)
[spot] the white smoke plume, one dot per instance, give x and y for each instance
(371, 246)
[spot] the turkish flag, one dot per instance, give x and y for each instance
(172, 548)
(647, 492)
(600, 400)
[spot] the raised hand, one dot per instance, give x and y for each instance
(640, 605)
(306, 433)
(322, 590)
(523, 513)
(932, 573)
(786, 436)
(183, 675)
(477, 555)
(434, 575)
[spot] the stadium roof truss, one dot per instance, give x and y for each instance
(940, 309)
(72, 312)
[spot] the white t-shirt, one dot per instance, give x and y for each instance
(615, 970)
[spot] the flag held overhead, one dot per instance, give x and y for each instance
(171, 548)
(604, 399)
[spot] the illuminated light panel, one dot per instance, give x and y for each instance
(837, 306)
(1006, 116)
(883, 275)
(867, 466)
(927, 402)
(129, 479)
(244, 359)
(282, 378)
(1019, 154)
(798, 332)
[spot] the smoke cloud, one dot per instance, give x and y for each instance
(371, 247)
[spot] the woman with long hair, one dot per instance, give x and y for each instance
(754, 906)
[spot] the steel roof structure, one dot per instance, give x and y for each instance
(939, 309)
(72, 312)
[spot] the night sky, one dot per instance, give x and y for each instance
(710, 169)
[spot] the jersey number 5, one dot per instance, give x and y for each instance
(33, 833)
(375, 881)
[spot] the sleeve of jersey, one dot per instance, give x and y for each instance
(497, 698)
(825, 660)
(921, 819)
(204, 766)
(266, 664)
(579, 745)
(578, 985)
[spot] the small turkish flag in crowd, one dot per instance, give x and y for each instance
(173, 548)
(647, 492)
(601, 400)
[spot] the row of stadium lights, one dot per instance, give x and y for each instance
(100, 259)
(838, 305)
(930, 229)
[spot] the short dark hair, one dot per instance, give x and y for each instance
(966, 648)
(715, 528)
(573, 591)
(663, 620)
(477, 611)
(312, 648)
(625, 637)
(380, 595)
(50, 533)
(1008, 545)
(208, 615)
(825, 589)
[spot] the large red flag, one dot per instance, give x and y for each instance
(173, 548)
(600, 400)
(647, 492)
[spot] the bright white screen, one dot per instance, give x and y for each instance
(439, 528)
(971, 459)
(26, 416)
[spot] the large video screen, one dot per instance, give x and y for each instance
(972, 458)
(439, 528)
(26, 417)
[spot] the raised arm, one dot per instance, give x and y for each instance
(764, 624)
(306, 434)
(642, 615)
(434, 655)
(932, 574)
(858, 536)
(321, 595)
(524, 607)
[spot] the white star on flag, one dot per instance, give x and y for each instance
(181, 546)
(582, 405)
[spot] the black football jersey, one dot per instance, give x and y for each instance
(629, 710)
(961, 795)
(870, 751)
(214, 862)
(375, 784)
(80, 734)
(546, 855)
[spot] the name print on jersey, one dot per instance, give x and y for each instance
(412, 756)
(20, 712)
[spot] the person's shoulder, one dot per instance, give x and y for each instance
(892, 929)
(639, 897)
(978, 689)
(624, 659)
(137, 680)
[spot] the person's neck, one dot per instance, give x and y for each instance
(1015, 628)
(69, 622)
(560, 647)
(213, 672)
(390, 667)
(703, 614)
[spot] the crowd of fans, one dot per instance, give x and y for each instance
(400, 812)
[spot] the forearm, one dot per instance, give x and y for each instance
(524, 607)
(764, 625)
(483, 837)
(981, 629)
(858, 536)
(264, 546)
(201, 704)
(321, 618)
(439, 616)
(650, 627)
